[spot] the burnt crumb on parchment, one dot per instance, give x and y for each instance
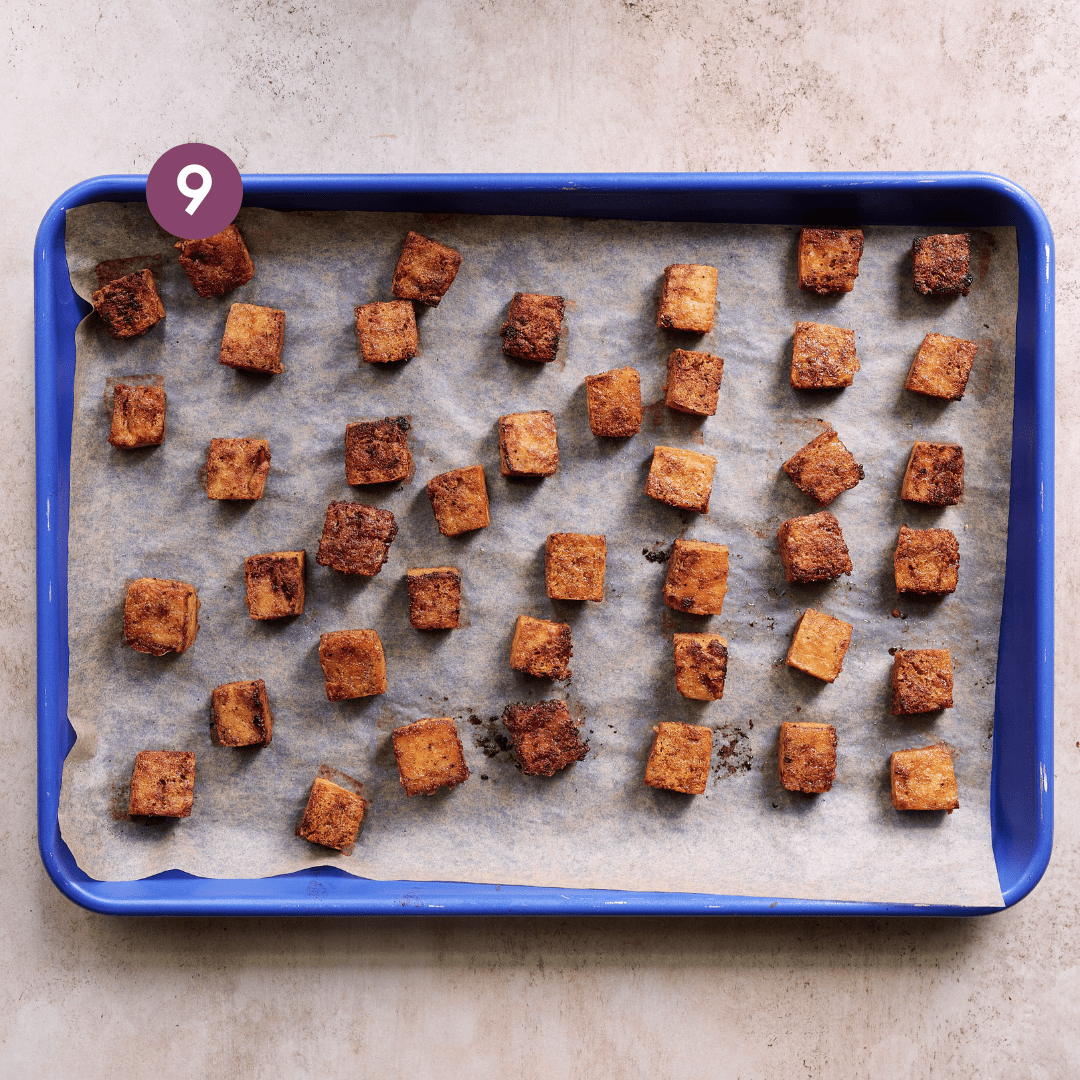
(657, 556)
(493, 741)
(734, 754)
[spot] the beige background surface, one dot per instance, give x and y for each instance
(96, 88)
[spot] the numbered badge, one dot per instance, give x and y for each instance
(194, 191)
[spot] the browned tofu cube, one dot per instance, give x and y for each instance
(387, 331)
(681, 478)
(435, 598)
(935, 474)
(160, 616)
(927, 561)
(377, 451)
(527, 444)
(823, 468)
(425, 270)
(254, 339)
(679, 759)
(274, 584)
(697, 577)
(941, 367)
(459, 500)
(574, 566)
(614, 401)
(333, 815)
(429, 756)
(237, 468)
(129, 305)
(921, 681)
(812, 548)
(820, 645)
(942, 264)
(693, 382)
(356, 539)
(353, 664)
(138, 417)
(541, 648)
(829, 259)
(218, 264)
(533, 326)
(688, 299)
(700, 666)
(162, 784)
(923, 779)
(807, 757)
(822, 357)
(545, 738)
(242, 714)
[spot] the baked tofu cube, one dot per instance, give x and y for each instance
(528, 445)
(218, 264)
(429, 756)
(941, 367)
(807, 757)
(574, 566)
(820, 645)
(935, 474)
(942, 265)
(237, 468)
(824, 468)
(679, 759)
(333, 815)
(356, 539)
(822, 357)
(138, 417)
(387, 331)
(435, 598)
(241, 712)
(160, 616)
(425, 270)
(681, 478)
(129, 305)
(829, 260)
(697, 577)
(700, 666)
(377, 451)
(923, 779)
(162, 784)
(533, 327)
(812, 548)
(274, 584)
(541, 648)
(545, 738)
(927, 561)
(254, 339)
(353, 664)
(688, 299)
(921, 681)
(459, 500)
(614, 401)
(693, 382)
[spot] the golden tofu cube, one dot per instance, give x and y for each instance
(614, 402)
(807, 757)
(377, 451)
(697, 577)
(924, 779)
(162, 784)
(333, 815)
(533, 327)
(681, 478)
(241, 712)
(688, 299)
(387, 331)
(237, 468)
(459, 500)
(541, 648)
(129, 305)
(693, 382)
(922, 681)
(829, 260)
(528, 445)
(934, 475)
(927, 561)
(820, 645)
(822, 357)
(160, 616)
(254, 339)
(138, 417)
(942, 265)
(679, 758)
(700, 666)
(217, 264)
(356, 539)
(941, 367)
(824, 468)
(574, 566)
(274, 584)
(353, 664)
(812, 548)
(545, 737)
(425, 270)
(429, 756)
(435, 598)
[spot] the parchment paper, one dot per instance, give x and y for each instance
(145, 513)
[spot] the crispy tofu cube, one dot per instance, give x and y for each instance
(807, 757)
(435, 598)
(533, 327)
(138, 417)
(681, 478)
(218, 264)
(824, 468)
(429, 756)
(527, 444)
(942, 264)
(679, 759)
(574, 566)
(693, 382)
(356, 539)
(829, 260)
(924, 779)
(545, 738)
(254, 339)
(820, 645)
(927, 561)
(812, 548)
(459, 500)
(129, 305)
(333, 815)
(353, 664)
(614, 402)
(822, 357)
(941, 367)
(242, 715)
(387, 331)
(541, 648)
(934, 475)
(274, 584)
(688, 299)
(160, 616)
(237, 468)
(425, 270)
(921, 681)
(162, 784)
(700, 666)
(697, 577)
(377, 451)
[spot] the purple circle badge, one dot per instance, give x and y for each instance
(194, 191)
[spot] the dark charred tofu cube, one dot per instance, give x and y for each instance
(574, 566)
(807, 757)
(138, 417)
(679, 759)
(160, 616)
(822, 357)
(924, 779)
(162, 784)
(237, 468)
(697, 577)
(218, 264)
(387, 331)
(254, 339)
(541, 648)
(242, 714)
(435, 598)
(927, 561)
(820, 645)
(429, 756)
(921, 681)
(688, 299)
(333, 815)
(693, 382)
(824, 468)
(935, 474)
(130, 305)
(377, 451)
(353, 664)
(941, 367)
(459, 500)
(700, 666)
(545, 738)
(274, 584)
(681, 478)
(533, 327)
(942, 264)
(614, 402)
(812, 548)
(528, 444)
(356, 539)
(425, 270)
(829, 260)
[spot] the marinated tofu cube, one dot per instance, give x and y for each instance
(353, 664)
(429, 756)
(545, 738)
(254, 339)
(241, 713)
(162, 784)
(459, 500)
(387, 331)
(533, 327)
(812, 548)
(942, 264)
(697, 577)
(681, 478)
(700, 666)
(924, 779)
(574, 566)
(274, 584)
(333, 815)
(425, 270)
(160, 616)
(435, 598)
(829, 259)
(679, 759)
(822, 357)
(614, 401)
(356, 539)
(129, 305)
(693, 382)
(820, 645)
(138, 417)
(921, 681)
(527, 444)
(541, 648)
(927, 561)
(935, 474)
(824, 468)
(688, 299)
(218, 264)
(377, 451)
(807, 757)
(237, 468)
(941, 367)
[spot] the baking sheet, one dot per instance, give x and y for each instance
(595, 825)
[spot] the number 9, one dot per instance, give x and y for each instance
(196, 195)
